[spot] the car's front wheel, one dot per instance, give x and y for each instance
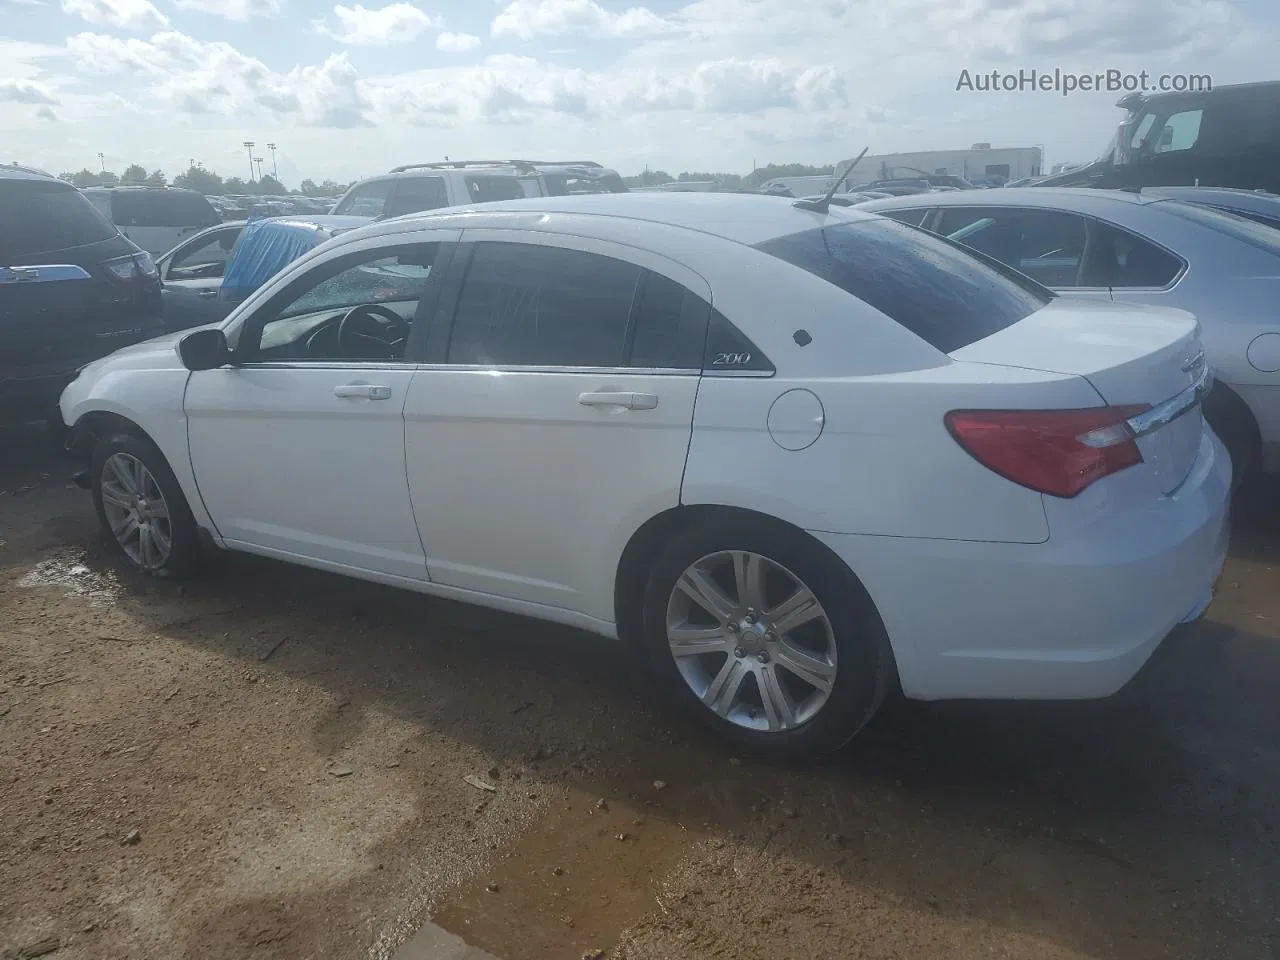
(142, 507)
(766, 637)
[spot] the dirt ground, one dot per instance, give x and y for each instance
(270, 763)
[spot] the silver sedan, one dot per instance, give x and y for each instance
(1143, 248)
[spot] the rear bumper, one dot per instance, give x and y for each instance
(1072, 618)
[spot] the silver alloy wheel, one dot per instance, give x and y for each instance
(136, 511)
(735, 615)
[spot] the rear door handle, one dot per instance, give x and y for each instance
(362, 391)
(207, 294)
(629, 401)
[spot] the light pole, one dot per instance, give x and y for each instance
(249, 145)
(258, 161)
(275, 170)
(102, 162)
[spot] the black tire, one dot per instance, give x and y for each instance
(865, 669)
(184, 555)
(1235, 426)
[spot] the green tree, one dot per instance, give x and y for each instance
(157, 179)
(85, 178)
(270, 186)
(308, 188)
(199, 179)
(236, 185)
(134, 173)
(108, 179)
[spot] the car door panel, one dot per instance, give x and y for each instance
(305, 457)
(527, 481)
(284, 462)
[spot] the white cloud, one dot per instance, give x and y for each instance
(195, 77)
(526, 19)
(456, 42)
(396, 23)
(20, 91)
(125, 14)
(234, 9)
(46, 113)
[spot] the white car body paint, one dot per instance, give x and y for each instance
(524, 497)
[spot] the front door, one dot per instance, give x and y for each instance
(558, 419)
(298, 447)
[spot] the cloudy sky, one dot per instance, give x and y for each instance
(347, 90)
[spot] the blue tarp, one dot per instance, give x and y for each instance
(266, 247)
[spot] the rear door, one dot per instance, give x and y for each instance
(192, 274)
(414, 194)
(556, 416)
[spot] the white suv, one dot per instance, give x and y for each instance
(429, 186)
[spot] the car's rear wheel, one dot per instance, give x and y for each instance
(767, 637)
(142, 507)
(1233, 422)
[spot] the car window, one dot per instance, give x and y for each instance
(1179, 132)
(531, 305)
(1046, 245)
(366, 200)
(161, 208)
(414, 194)
(670, 326)
(1123, 259)
(912, 215)
(306, 314)
(41, 217)
(206, 258)
(1241, 228)
(484, 189)
(930, 286)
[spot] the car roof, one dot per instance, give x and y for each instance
(139, 188)
(1080, 198)
(320, 221)
(740, 217)
(13, 171)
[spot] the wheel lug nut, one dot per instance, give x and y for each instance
(763, 657)
(733, 627)
(739, 652)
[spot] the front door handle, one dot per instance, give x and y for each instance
(207, 294)
(629, 401)
(362, 391)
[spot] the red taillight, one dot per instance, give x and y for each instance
(135, 267)
(1058, 452)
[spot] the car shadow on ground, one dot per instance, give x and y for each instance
(1155, 803)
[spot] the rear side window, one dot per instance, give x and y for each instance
(42, 217)
(530, 305)
(671, 326)
(485, 189)
(930, 286)
(366, 200)
(414, 194)
(161, 208)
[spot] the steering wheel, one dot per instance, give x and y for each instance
(373, 332)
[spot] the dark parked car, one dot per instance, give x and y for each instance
(72, 289)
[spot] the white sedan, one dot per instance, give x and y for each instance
(797, 457)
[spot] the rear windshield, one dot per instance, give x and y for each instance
(161, 208)
(484, 189)
(936, 289)
(41, 217)
(1250, 231)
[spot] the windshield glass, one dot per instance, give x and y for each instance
(933, 287)
(1233, 225)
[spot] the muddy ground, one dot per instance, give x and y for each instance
(270, 763)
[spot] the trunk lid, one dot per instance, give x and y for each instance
(1131, 354)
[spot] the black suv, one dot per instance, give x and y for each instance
(72, 289)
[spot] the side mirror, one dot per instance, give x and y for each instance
(204, 350)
